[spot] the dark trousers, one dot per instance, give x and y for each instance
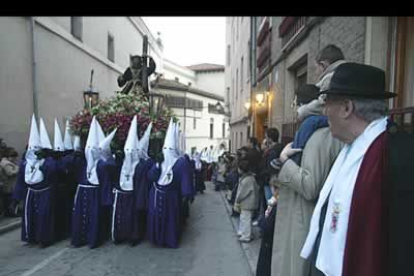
(313, 270)
(6, 202)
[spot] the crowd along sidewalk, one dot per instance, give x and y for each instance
(252, 248)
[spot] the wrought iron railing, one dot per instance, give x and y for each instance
(404, 117)
(295, 24)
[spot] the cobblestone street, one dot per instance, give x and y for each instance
(208, 247)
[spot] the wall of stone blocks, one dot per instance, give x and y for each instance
(348, 33)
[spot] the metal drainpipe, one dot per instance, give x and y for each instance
(35, 95)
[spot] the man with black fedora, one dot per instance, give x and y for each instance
(367, 195)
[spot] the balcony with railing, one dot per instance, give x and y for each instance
(263, 45)
(290, 27)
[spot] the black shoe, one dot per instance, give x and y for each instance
(235, 214)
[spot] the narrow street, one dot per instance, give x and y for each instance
(209, 247)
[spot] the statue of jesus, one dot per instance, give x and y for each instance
(132, 77)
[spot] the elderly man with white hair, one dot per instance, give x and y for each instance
(360, 224)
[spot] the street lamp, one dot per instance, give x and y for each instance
(247, 105)
(259, 98)
(156, 103)
(90, 98)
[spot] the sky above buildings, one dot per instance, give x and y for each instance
(191, 40)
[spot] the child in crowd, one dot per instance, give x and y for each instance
(246, 200)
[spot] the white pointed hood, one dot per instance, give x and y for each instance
(203, 155)
(32, 172)
(58, 141)
(92, 153)
(44, 137)
(105, 146)
(131, 160)
(131, 141)
(178, 139)
(77, 143)
(34, 137)
(197, 159)
(101, 134)
(67, 141)
(170, 155)
(144, 142)
(92, 141)
(210, 156)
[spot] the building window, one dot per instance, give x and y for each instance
(248, 132)
(181, 102)
(224, 130)
(237, 28)
(211, 128)
(252, 48)
(241, 139)
(236, 144)
(290, 26)
(301, 75)
(228, 55)
(233, 88)
(76, 26)
(194, 123)
(111, 48)
(249, 56)
(237, 83)
(228, 94)
(241, 75)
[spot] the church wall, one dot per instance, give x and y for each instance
(63, 66)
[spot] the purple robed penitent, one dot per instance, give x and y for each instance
(129, 208)
(164, 212)
(142, 187)
(90, 218)
(39, 204)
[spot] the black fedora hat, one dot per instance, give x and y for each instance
(359, 81)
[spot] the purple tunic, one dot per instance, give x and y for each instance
(165, 209)
(64, 194)
(39, 204)
(129, 208)
(89, 217)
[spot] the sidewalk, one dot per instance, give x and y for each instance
(252, 248)
(9, 224)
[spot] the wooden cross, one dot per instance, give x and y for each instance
(144, 64)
